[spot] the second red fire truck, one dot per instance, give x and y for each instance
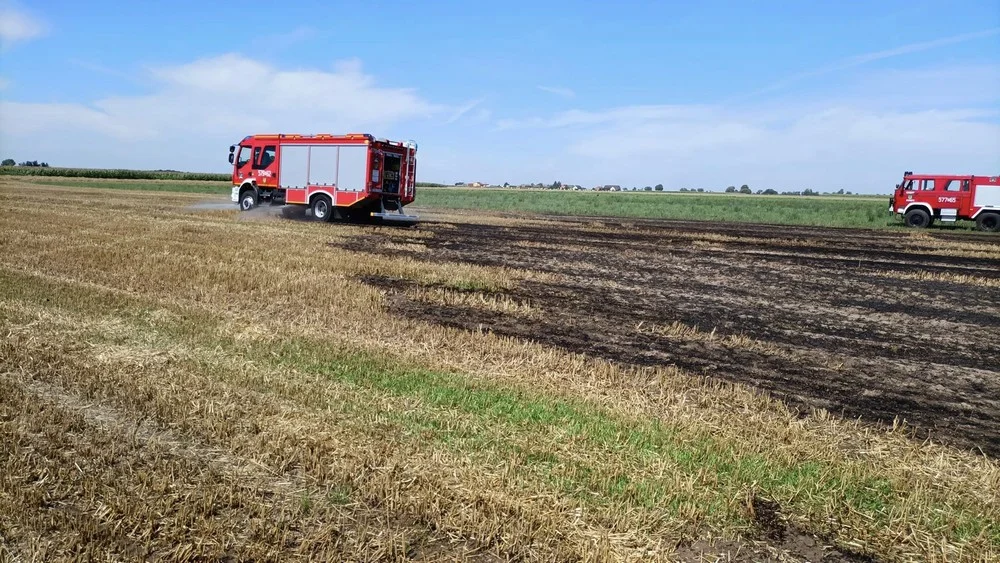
(924, 198)
(336, 176)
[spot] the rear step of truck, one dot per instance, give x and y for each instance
(393, 212)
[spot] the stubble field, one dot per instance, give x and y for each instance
(179, 382)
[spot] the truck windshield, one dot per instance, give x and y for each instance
(245, 153)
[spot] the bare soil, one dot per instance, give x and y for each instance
(836, 330)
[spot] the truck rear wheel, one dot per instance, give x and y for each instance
(917, 218)
(989, 222)
(322, 208)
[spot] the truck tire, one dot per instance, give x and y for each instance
(917, 218)
(322, 208)
(989, 222)
(248, 199)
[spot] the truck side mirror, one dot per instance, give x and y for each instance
(230, 158)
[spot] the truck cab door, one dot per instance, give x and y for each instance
(265, 165)
(953, 199)
(243, 163)
(908, 191)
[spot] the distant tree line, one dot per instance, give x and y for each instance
(744, 189)
(43, 169)
(28, 163)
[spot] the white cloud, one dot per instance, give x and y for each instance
(95, 68)
(820, 146)
(17, 26)
(859, 60)
(22, 119)
(933, 87)
(464, 109)
(481, 116)
(858, 136)
(621, 115)
(562, 92)
(921, 46)
(198, 107)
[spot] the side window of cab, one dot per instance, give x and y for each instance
(957, 186)
(265, 158)
(244, 157)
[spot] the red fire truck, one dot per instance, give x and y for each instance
(336, 176)
(923, 198)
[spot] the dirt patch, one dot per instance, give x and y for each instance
(776, 541)
(842, 334)
(799, 547)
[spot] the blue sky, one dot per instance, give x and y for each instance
(786, 95)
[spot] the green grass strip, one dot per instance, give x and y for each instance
(826, 211)
(181, 186)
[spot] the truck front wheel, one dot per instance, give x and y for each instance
(322, 208)
(248, 200)
(917, 218)
(989, 222)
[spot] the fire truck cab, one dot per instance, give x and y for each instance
(923, 198)
(336, 176)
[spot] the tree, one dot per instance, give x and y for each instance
(745, 189)
(8, 162)
(684, 189)
(658, 187)
(556, 185)
(770, 191)
(731, 190)
(647, 189)
(701, 190)
(840, 191)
